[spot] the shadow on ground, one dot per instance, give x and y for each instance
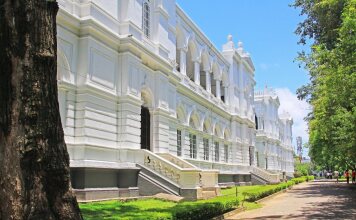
(341, 205)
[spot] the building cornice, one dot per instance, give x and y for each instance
(200, 33)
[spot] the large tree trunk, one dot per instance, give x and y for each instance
(34, 163)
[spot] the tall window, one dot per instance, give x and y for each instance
(256, 122)
(206, 148)
(193, 146)
(217, 151)
(226, 153)
(179, 143)
(146, 18)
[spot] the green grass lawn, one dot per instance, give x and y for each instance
(156, 209)
(160, 209)
(137, 209)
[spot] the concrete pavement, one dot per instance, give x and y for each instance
(313, 200)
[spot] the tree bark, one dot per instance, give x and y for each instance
(34, 163)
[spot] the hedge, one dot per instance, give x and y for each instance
(220, 205)
(203, 210)
(254, 196)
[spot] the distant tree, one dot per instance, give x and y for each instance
(302, 169)
(332, 88)
(34, 174)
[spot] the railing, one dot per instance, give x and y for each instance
(176, 160)
(270, 177)
(265, 92)
(222, 167)
(202, 92)
(207, 178)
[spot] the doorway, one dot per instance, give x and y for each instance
(145, 128)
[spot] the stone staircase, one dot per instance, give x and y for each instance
(166, 173)
(150, 183)
(261, 176)
(208, 179)
(256, 180)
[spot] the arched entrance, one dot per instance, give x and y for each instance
(145, 128)
(147, 104)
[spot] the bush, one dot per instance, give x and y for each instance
(203, 210)
(302, 169)
(311, 177)
(257, 195)
(302, 179)
(254, 196)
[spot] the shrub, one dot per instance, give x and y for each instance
(203, 210)
(311, 177)
(254, 196)
(299, 180)
(303, 169)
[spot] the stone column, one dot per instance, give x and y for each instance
(218, 95)
(160, 131)
(129, 123)
(208, 81)
(241, 89)
(183, 61)
(197, 72)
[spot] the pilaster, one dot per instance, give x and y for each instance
(129, 122)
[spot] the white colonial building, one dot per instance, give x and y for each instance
(274, 150)
(149, 105)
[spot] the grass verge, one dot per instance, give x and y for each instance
(202, 209)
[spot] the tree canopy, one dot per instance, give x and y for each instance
(331, 24)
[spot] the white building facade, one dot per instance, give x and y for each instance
(274, 149)
(148, 104)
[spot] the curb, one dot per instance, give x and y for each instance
(228, 214)
(271, 196)
(277, 193)
(241, 209)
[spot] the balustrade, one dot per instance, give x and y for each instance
(184, 175)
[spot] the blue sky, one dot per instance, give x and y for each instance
(266, 28)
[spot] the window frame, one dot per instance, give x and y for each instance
(192, 146)
(179, 142)
(146, 18)
(206, 148)
(226, 153)
(216, 151)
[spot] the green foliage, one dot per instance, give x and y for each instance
(202, 209)
(264, 192)
(136, 209)
(256, 195)
(197, 211)
(332, 90)
(302, 169)
(159, 209)
(322, 22)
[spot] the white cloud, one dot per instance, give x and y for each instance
(297, 109)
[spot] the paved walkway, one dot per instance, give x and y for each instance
(313, 200)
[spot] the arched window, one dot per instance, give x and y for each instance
(146, 14)
(256, 122)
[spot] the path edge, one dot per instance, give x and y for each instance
(241, 209)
